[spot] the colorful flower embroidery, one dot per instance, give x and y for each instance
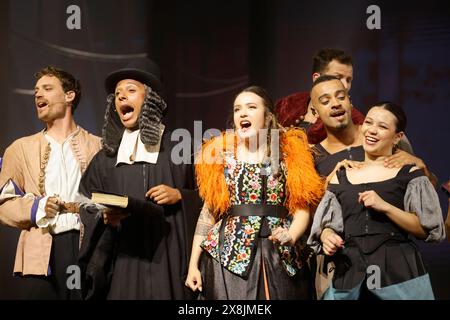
(245, 182)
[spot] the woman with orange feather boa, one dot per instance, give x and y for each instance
(258, 183)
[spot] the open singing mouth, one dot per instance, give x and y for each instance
(126, 111)
(42, 104)
(371, 139)
(337, 113)
(245, 124)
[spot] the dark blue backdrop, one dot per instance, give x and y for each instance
(209, 50)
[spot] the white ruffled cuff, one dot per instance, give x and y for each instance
(41, 220)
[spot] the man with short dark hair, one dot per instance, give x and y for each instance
(39, 188)
(68, 82)
(330, 99)
(341, 147)
(296, 109)
(343, 141)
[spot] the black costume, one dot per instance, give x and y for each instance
(147, 256)
(326, 162)
(372, 239)
(152, 247)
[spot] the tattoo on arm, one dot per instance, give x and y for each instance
(205, 216)
(204, 223)
(202, 228)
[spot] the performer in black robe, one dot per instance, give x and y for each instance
(141, 252)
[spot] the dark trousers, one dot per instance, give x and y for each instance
(54, 287)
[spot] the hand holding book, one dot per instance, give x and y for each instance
(113, 216)
(110, 199)
(129, 204)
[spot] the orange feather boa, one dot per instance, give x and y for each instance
(304, 187)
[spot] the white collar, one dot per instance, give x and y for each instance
(69, 137)
(132, 149)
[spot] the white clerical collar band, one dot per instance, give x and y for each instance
(132, 149)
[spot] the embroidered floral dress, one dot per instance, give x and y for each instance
(244, 242)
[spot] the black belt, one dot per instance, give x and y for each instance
(392, 234)
(261, 210)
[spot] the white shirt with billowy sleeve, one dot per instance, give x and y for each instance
(62, 178)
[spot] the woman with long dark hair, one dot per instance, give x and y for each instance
(368, 214)
(257, 184)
